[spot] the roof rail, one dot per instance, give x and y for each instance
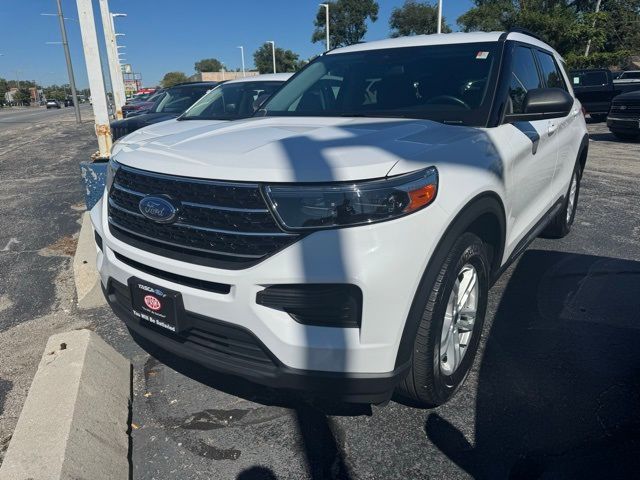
(526, 32)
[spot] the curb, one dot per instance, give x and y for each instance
(85, 272)
(74, 423)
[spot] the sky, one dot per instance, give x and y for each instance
(168, 35)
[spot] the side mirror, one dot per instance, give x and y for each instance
(543, 103)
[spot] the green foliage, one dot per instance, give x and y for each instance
(614, 60)
(415, 18)
(173, 78)
(567, 25)
(22, 96)
(286, 60)
(4, 87)
(208, 65)
(56, 92)
(347, 20)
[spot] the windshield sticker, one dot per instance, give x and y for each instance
(482, 55)
(576, 80)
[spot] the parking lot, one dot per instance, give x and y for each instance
(554, 393)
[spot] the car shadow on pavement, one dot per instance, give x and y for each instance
(559, 382)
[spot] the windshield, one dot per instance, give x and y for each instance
(178, 99)
(231, 101)
(447, 83)
(631, 75)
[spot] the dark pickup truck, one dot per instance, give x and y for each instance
(595, 90)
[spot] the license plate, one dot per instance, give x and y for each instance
(154, 304)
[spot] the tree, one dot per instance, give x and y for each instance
(348, 21)
(415, 18)
(208, 65)
(286, 60)
(3, 90)
(172, 78)
(566, 25)
(22, 96)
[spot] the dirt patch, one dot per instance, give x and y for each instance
(65, 246)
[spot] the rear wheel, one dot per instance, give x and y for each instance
(560, 226)
(449, 330)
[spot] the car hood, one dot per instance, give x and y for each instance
(167, 127)
(288, 149)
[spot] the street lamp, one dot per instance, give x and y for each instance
(273, 53)
(439, 29)
(67, 55)
(242, 54)
(326, 7)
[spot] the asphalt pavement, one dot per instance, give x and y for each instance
(554, 393)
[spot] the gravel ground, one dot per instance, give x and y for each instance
(555, 392)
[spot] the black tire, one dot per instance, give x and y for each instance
(599, 117)
(626, 136)
(426, 384)
(561, 224)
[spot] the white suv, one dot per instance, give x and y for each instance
(343, 240)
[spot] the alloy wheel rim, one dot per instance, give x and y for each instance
(572, 197)
(459, 320)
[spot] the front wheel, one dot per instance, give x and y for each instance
(451, 324)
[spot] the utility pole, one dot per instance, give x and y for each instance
(67, 55)
(586, 50)
(94, 72)
(326, 7)
(273, 53)
(242, 54)
(439, 29)
(112, 57)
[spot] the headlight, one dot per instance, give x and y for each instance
(301, 207)
(112, 169)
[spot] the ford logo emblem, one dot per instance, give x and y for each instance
(160, 209)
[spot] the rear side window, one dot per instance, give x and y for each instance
(524, 77)
(550, 71)
(589, 79)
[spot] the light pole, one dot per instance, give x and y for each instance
(67, 56)
(117, 80)
(326, 7)
(273, 53)
(242, 55)
(439, 29)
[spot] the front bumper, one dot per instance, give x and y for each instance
(385, 260)
(231, 350)
(629, 125)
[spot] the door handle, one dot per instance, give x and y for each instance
(552, 127)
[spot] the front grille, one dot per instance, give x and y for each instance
(219, 341)
(626, 108)
(118, 132)
(221, 224)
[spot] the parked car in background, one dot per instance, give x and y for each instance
(343, 240)
(68, 102)
(624, 118)
(141, 106)
(53, 104)
(173, 102)
(628, 76)
(231, 100)
(595, 89)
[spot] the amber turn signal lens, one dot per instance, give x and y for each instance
(420, 197)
